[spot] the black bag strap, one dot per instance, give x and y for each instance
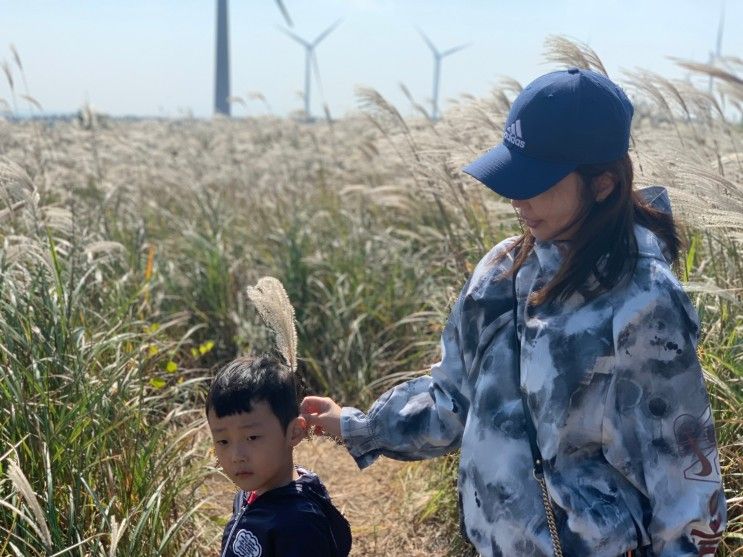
(531, 431)
(536, 455)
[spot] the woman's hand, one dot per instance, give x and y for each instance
(322, 414)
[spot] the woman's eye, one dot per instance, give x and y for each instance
(220, 442)
(253, 437)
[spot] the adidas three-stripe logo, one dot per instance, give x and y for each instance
(513, 134)
(515, 129)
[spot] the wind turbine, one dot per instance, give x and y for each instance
(437, 58)
(715, 56)
(310, 59)
(222, 68)
(222, 65)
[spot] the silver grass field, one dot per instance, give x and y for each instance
(127, 247)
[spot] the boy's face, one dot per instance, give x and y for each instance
(253, 448)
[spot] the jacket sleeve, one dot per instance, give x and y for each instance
(658, 430)
(421, 418)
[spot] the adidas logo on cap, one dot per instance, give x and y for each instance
(513, 134)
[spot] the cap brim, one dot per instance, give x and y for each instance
(514, 175)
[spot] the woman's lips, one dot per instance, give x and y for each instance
(531, 223)
(244, 474)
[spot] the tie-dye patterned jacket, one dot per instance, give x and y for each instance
(616, 394)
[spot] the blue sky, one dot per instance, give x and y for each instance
(156, 57)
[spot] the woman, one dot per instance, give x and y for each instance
(569, 359)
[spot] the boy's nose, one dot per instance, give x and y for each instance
(239, 455)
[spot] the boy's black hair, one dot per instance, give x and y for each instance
(246, 380)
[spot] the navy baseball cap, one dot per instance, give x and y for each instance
(560, 121)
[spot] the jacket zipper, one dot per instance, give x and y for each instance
(234, 527)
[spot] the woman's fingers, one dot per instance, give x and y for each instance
(314, 405)
(323, 414)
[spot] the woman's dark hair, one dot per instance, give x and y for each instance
(246, 381)
(603, 245)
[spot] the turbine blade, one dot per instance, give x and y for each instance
(455, 49)
(297, 38)
(284, 12)
(325, 33)
(720, 29)
(429, 43)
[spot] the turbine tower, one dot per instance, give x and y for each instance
(715, 56)
(437, 57)
(310, 60)
(222, 69)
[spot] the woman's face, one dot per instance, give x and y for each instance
(550, 214)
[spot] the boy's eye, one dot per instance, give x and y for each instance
(253, 437)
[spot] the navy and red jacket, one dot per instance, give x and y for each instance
(296, 520)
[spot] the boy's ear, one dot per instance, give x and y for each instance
(297, 430)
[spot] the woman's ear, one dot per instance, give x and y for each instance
(297, 430)
(603, 185)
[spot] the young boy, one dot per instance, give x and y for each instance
(280, 510)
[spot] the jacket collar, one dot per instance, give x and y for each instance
(550, 254)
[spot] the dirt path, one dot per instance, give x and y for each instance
(381, 502)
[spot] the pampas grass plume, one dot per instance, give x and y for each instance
(22, 485)
(274, 307)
